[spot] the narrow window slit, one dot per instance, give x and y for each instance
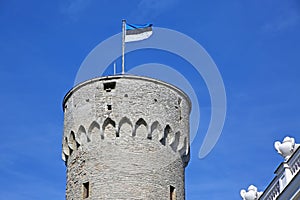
(172, 193)
(86, 190)
(179, 101)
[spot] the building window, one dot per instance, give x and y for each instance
(109, 86)
(172, 193)
(108, 107)
(86, 190)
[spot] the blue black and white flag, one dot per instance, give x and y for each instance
(137, 32)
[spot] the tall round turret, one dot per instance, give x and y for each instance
(126, 137)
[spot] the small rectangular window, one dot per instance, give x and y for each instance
(108, 107)
(86, 190)
(109, 86)
(172, 193)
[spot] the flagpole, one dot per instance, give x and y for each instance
(123, 45)
(115, 68)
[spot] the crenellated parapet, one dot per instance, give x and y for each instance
(110, 108)
(107, 130)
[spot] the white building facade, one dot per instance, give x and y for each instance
(286, 183)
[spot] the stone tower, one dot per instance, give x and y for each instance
(126, 137)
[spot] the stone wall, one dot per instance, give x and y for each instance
(125, 137)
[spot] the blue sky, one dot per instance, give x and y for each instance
(255, 44)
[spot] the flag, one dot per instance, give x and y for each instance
(137, 32)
